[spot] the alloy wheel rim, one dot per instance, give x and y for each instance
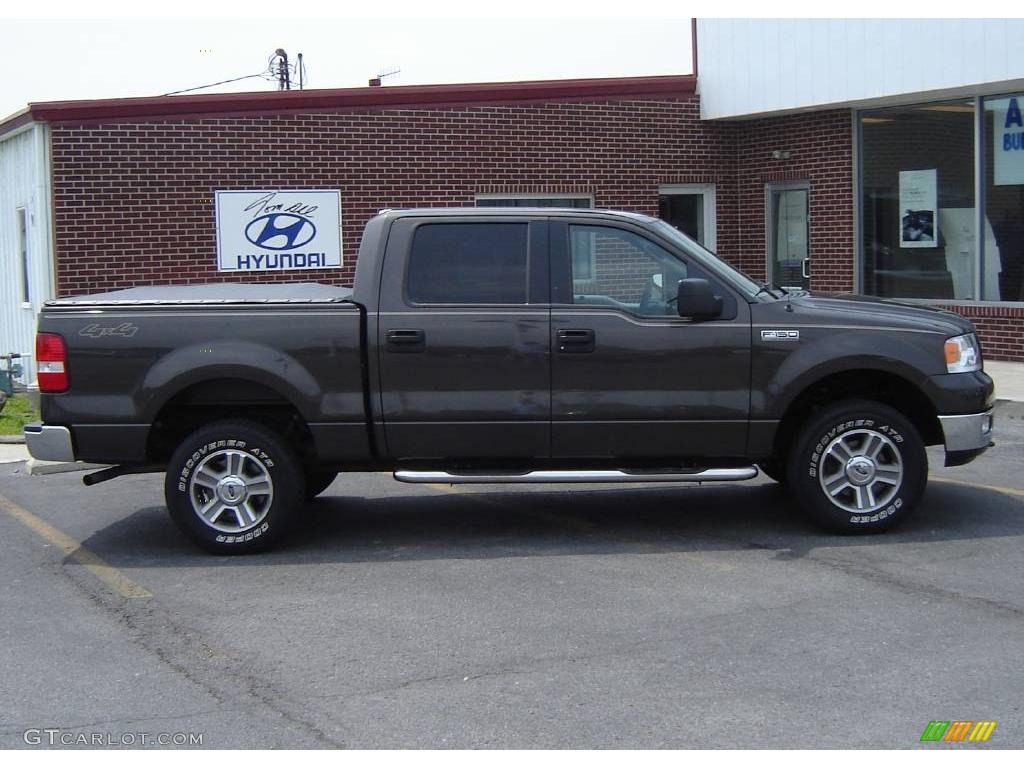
(231, 490)
(861, 471)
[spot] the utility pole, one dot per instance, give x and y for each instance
(284, 81)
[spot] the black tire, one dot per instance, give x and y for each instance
(241, 462)
(774, 470)
(318, 482)
(870, 457)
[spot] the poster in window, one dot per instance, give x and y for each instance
(919, 226)
(1007, 140)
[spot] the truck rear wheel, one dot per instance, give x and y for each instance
(858, 467)
(233, 487)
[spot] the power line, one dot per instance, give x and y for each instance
(211, 85)
(278, 68)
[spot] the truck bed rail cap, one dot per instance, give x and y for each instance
(214, 293)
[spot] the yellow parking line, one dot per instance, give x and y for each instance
(996, 488)
(102, 570)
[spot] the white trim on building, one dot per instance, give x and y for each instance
(709, 212)
(24, 187)
(757, 67)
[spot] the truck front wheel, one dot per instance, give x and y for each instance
(233, 487)
(858, 467)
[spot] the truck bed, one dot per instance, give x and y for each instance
(145, 356)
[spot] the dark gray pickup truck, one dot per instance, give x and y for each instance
(508, 346)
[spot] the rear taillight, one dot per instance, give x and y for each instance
(52, 362)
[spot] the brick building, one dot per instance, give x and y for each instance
(98, 195)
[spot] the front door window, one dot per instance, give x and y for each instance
(615, 268)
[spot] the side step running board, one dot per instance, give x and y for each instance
(578, 476)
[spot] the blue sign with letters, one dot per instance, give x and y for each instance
(1008, 140)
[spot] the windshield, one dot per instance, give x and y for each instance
(740, 280)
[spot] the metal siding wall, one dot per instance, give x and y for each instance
(755, 66)
(24, 183)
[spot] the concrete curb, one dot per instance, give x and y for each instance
(12, 439)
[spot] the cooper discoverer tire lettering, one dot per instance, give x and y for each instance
(233, 487)
(858, 467)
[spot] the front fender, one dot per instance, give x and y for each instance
(781, 373)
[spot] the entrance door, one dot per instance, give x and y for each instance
(788, 217)
(690, 208)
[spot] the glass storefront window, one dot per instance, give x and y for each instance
(1003, 148)
(918, 205)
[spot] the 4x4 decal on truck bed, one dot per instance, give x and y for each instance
(97, 331)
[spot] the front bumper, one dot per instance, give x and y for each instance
(966, 436)
(49, 443)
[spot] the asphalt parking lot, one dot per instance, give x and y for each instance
(489, 616)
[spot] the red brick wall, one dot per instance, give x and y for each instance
(133, 201)
(820, 147)
(1001, 329)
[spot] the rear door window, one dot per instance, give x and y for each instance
(478, 263)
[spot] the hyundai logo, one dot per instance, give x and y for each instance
(280, 231)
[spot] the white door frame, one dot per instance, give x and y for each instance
(710, 217)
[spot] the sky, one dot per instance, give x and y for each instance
(61, 58)
(131, 48)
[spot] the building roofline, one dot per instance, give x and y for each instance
(152, 108)
(14, 122)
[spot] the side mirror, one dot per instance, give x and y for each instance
(697, 299)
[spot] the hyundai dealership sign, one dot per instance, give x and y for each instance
(278, 229)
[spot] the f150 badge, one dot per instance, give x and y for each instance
(780, 335)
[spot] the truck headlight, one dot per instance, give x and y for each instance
(963, 354)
